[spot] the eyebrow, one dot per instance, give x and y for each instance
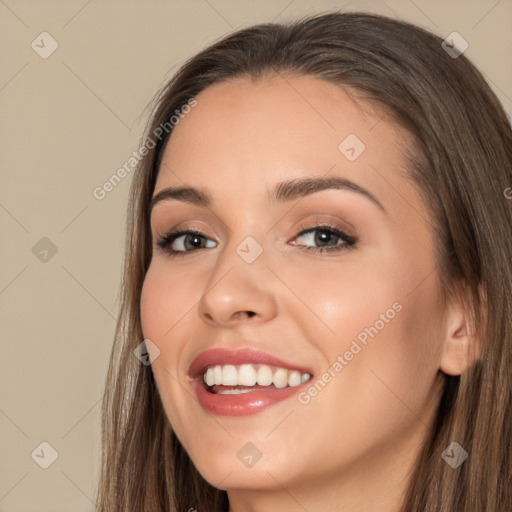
(283, 191)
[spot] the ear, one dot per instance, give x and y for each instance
(461, 348)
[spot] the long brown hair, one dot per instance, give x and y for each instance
(462, 165)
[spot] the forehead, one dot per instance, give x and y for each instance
(288, 105)
(246, 133)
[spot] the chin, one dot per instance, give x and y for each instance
(228, 472)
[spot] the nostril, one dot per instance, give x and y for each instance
(242, 314)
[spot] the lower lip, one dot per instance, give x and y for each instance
(242, 404)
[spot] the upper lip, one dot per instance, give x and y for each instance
(222, 356)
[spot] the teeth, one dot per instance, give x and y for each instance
(229, 375)
(305, 377)
(246, 375)
(294, 379)
(264, 376)
(217, 375)
(250, 375)
(208, 377)
(234, 391)
(281, 378)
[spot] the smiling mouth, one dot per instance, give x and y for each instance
(246, 378)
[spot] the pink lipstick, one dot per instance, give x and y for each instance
(245, 381)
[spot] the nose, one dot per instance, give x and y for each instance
(238, 291)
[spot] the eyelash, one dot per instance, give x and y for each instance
(165, 241)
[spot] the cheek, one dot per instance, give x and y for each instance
(401, 353)
(166, 311)
(383, 316)
(337, 303)
(166, 298)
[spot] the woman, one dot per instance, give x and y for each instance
(369, 373)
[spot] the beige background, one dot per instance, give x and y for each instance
(67, 123)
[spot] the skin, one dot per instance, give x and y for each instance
(351, 447)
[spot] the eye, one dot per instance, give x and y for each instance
(178, 242)
(181, 242)
(328, 238)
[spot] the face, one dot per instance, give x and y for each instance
(338, 286)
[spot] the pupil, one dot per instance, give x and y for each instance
(322, 237)
(195, 240)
